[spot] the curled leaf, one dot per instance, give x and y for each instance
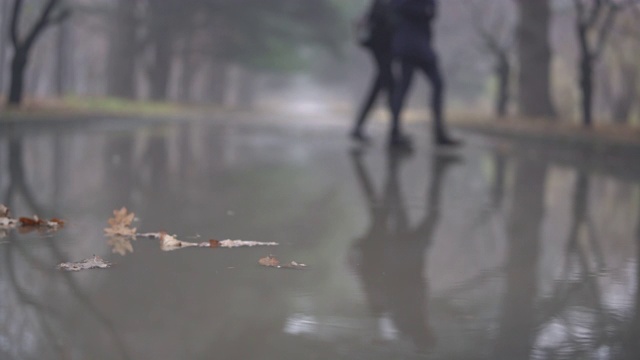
(24, 221)
(7, 223)
(95, 262)
(35, 223)
(170, 243)
(150, 235)
(4, 211)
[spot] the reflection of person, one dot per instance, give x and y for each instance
(412, 46)
(377, 40)
(392, 253)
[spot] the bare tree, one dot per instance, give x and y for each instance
(594, 21)
(52, 13)
(493, 23)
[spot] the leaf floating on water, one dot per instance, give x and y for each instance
(150, 235)
(27, 224)
(7, 223)
(271, 261)
(4, 211)
(170, 243)
(95, 262)
(240, 243)
(36, 223)
(120, 224)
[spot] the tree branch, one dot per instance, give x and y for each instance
(41, 24)
(605, 29)
(17, 9)
(60, 17)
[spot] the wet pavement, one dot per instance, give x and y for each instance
(505, 249)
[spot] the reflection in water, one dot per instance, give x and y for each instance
(538, 258)
(31, 326)
(517, 321)
(392, 253)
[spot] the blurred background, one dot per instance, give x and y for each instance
(573, 61)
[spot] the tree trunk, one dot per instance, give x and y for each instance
(586, 87)
(215, 89)
(161, 68)
(534, 57)
(503, 75)
(63, 49)
(122, 52)
(18, 67)
(586, 77)
(4, 26)
(623, 103)
(189, 68)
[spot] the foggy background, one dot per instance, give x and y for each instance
(302, 54)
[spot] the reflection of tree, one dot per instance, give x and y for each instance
(577, 301)
(34, 315)
(517, 321)
(17, 180)
(631, 345)
(392, 253)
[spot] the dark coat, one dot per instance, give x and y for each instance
(380, 22)
(413, 27)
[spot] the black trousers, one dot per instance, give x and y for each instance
(425, 61)
(383, 82)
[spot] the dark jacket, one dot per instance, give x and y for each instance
(413, 26)
(380, 24)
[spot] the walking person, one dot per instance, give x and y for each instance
(377, 36)
(412, 47)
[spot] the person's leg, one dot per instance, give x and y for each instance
(399, 95)
(429, 64)
(377, 85)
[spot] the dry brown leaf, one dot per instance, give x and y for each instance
(271, 261)
(95, 262)
(35, 221)
(120, 224)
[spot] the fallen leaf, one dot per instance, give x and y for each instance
(35, 223)
(170, 243)
(95, 262)
(120, 224)
(241, 243)
(150, 235)
(271, 261)
(24, 221)
(7, 223)
(4, 211)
